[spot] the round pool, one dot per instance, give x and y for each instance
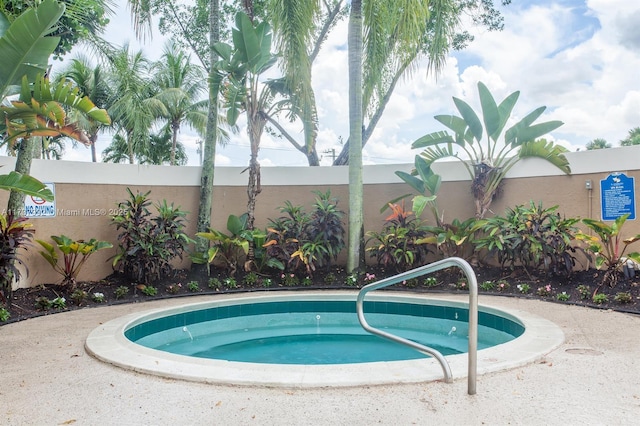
(314, 339)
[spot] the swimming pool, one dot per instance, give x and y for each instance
(110, 343)
(315, 332)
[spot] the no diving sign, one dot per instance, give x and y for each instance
(617, 196)
(37, 207)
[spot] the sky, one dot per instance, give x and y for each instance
(580, 58)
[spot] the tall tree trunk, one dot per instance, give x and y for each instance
(23, 165)
(211, 137)
(93, 138)
(356, 218)
(174, 142)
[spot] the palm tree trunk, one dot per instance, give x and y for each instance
(208, 165)
(356, 219)
(93, 138)
(23, 165)
(174, 143)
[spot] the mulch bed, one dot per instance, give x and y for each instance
(191, 283)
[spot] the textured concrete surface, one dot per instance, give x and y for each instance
(593, 378)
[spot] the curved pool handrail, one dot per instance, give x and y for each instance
(473, 315)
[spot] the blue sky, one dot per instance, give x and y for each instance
(580, 58)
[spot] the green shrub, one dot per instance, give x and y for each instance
(193, 286)
(584, 291)
(430, 282)
(290, 280)
(524, 288)
(147, 244)
(502, 285)
(230, 282)
(98, 297)
(59, 303)
(43, 303)
(121, 291)
(214, 283)
(487, 285)
(403, 243)
(544, 291)
(304, 242)
(15, 234)
(600, 298)
(532, 237)
(250, 279)
(149, 290)
(623, 297)
(330, 278)
(267, 282)
(78, 296)
(563, 297)
(4, 315)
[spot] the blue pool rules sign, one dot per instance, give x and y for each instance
(617, 196)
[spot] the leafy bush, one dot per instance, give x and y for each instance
(524, 288)
(623, 297)
(487, 285)
(78, 296)
(608, 247)
(15, 234)
(305, 242)
(74, 253)
(456, 238)
(584, 291)
(600, 298)
(532, 237)
(214, 283)
(4, 315)
(193, 286)
(149, 290)
(403, 242)
(146, 244)
(563, 297)
(225, 250)
(121, 291)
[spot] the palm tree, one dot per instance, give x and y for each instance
(597, 143)
(92, 82)
(132, 105)
(633, 138)
(181, 84)
(356, 219)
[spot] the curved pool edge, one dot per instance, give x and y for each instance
(108, 344)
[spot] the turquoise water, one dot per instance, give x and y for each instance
(317, 332)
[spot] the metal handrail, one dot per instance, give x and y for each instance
(473, 316)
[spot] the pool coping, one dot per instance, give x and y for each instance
(108, 344)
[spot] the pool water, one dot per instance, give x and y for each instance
(317, 332)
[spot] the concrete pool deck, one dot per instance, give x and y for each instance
(591, 378)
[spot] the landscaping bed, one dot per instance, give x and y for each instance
(577, 289)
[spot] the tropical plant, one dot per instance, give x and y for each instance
(181, 85)
(239, 70)
(146, 244)
(532, 237)
(403, 242)
(15, 234)
(91, 82)
(132, 105)
(427, 184)
(608, 247)
(74, 253)
(489, 157)
(633, 137)
(307, 241)
(226, 250)
(25, 46)
(597, 143)
(456, 238)
(25, 184)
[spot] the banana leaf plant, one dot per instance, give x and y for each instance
(25, 184)
(488, 155)
(25, 44)
(40, 111)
